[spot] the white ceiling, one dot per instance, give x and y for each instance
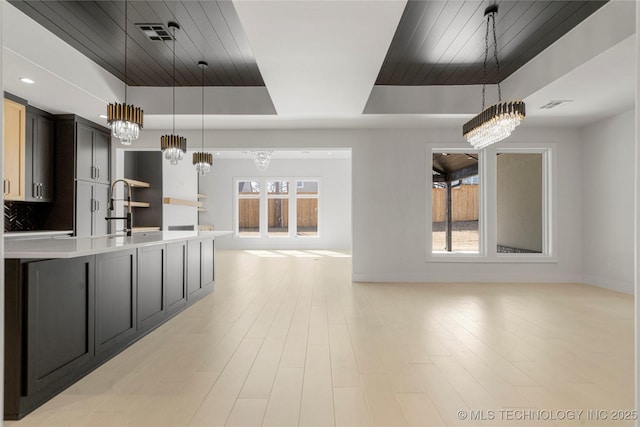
(319, 60)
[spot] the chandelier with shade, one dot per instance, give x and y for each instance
(125, 120)
(496, 122)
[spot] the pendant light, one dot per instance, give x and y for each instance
(202, 160)
(496, 122)
(125, 120)
(262, 158)
(173, 146)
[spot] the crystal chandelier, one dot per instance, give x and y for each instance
(261, 158)
(202, 160)
(496, 122)
(125, 120)
(173, 146)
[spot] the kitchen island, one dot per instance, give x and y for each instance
(72, 303)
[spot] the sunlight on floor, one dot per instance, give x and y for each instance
(298, 253)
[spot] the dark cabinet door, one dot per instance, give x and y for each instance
(85, 169)
(151, 286)
(207, 263)
(116, 300)
(176, 273)
(101, 197)
(85, 206)
(101, 153)
(60, 312)
(43, 157)
(40, 137)
(194, 275)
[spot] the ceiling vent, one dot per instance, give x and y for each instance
(155, 32)
(555, 103)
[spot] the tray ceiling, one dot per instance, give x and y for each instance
(443, 42)
(210, 31)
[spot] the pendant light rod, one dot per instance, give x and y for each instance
(203, 65)
(174, 26)
(126, 37)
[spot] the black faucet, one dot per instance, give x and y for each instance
(128, 218)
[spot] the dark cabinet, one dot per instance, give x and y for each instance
(65, 317)
(152, 300)
(82, 157)
(49, 329)
(194, 275)
(93, 146)
(40, 140)
(176, 273)
(92, 206)
(60, 319)
(116, 300)
(200, 272)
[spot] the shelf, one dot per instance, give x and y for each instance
(136, 183)
(202, 209)
(204, 227)
(144, 229)
(174, 201)
(137, 204)
(202, 196)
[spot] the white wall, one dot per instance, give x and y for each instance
(608, 202)
(389, 198)
(181, 182)
(334, 201)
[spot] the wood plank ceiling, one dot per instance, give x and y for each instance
(439, 42)
(443, 42)
(210, 31)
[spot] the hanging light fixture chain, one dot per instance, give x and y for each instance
(126, 24)
(495, 55)
(484, 65)
(202, 67)
(173, 76)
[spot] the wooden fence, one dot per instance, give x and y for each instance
(464, 203)
(249, 213)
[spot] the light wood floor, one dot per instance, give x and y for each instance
(288, 340)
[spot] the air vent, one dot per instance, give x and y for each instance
(155, 32)
(555, 103)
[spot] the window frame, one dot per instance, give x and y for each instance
(487, 205)
(264, 197)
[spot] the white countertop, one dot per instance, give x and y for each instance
(34, 234)
(70, 247)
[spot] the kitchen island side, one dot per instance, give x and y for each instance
(72, 303)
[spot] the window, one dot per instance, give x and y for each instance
(248, 208)
(306, 208)
(284, 210)
(455, 197)
(494, 205)
(520, 203)
(278, 208)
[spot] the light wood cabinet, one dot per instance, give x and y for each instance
(14, 150)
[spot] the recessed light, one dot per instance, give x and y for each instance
(218, 153)
(102, 116)
(26, 80)
(305, 152)
(330, 153)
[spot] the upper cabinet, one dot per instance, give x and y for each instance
(40, 150)
(14, 150)
(92, 153)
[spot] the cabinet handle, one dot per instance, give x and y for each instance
(4, 186)
(98, 169)
(34, 190)
(9, 184)
(98, 205)
(40, 190)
